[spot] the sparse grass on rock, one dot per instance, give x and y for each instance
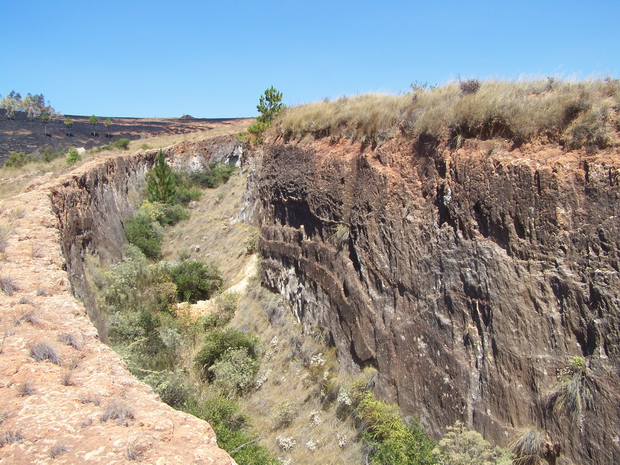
(43, 351)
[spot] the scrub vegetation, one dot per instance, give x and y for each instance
(574, 114)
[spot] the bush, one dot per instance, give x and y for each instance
(121, 144)
(142, 232)
(573, 393)
(234, 372)
(49, 154)
(195, 280)
(217, 173)
(164, 214)
(233, 431)
(393, 441)
(171, 387)
(186, 195)
(217, 343)
(17, 160)
(461, 446)
(73, 156)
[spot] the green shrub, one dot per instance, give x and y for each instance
(171, 387)
(145, 234)
(162, 213)
(49, 154)
(234, 372)
(195, 280)
(217, 343)
(185, 195)
(217, 173)
(161, 182)
(461, 446)
(233, 431)
(73, 156)
(121, 144)
(17, 160)
(392, 440)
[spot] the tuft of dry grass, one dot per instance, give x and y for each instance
(70, 339)
(10, 437)
(117, 411)
(67, 379)
(57, 450)
(8, 286)
(43, 351)
(135, 449)
(575, 114)
(529, 448)
(25, 389)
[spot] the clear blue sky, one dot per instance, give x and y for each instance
(215, 58)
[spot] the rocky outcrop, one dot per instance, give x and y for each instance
(64, 395)
(467, 277)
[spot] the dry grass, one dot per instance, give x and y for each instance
(575, 114)
(10, 437)
(43, 351)
(8, 286)
(57, 450)
(117, 411)
(529, 448)
(212, 233)
(156, 142)
(25, 389)
(70, 339)
(135, 449)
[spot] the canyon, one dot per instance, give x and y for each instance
(469, 278)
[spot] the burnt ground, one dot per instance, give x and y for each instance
(24, 135)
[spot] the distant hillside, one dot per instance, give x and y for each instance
(27, 135)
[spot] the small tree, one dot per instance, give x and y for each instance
(270, 104)
(161, 182)
(107, 123)
(93, 120)
(68, 124)
(46, 119)
(73, 156)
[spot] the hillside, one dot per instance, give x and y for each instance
(466, 257)
(22, 134)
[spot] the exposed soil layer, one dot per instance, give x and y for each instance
(24, 135)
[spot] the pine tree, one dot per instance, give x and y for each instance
(93, 120)
(161, 182)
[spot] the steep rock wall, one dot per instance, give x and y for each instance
(467, 278)
(93, 203)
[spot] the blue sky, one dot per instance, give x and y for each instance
(215, 58)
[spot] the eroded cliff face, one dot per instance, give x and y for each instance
(466, 277)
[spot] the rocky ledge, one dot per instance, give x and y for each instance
(65, 397)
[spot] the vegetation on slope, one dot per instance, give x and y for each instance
(576, 115)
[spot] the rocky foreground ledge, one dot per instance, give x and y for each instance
(65, 397)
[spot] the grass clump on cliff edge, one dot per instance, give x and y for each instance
(575, 114)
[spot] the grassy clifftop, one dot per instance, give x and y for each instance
(575, 114)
